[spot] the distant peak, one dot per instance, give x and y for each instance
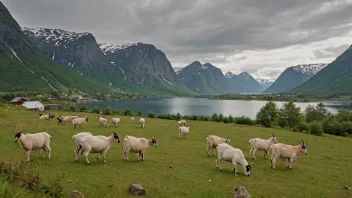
(113, 47)
(229, 75)
(244, 74)
(310, 69)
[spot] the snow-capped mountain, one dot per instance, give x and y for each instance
(228, 75)
(265, 83)
(294, 76)
(109, 48)
(177, 69)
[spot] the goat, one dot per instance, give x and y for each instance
(103, 121)
(79, 121)
(183, 131)
(234, 155)
(115, 121)
(77, 140)
(98, 144)
(142, 122)
(287, 152)
(213, 141)
(35, 141)
(181, 123)
(137, 145)
(261, 145)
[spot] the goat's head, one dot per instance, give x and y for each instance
(248, 170)
(273, 138)
(40, 114)
(18, 134)
(227, 140)
(98, 117)
(304, 147)
(116, 137)
(153, 141)
(86, 119)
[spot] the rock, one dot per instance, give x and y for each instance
(136, 189)
(76, 194)
(69, 181)
(171, 167)
(241, 192)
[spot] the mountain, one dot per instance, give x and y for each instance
(24, 67)
(293, 77)
(177, 69)
(228, 75)
(333, 80)
(203, 79)
(243, 83)
(146, 67)
(79, 52)
(265, 83)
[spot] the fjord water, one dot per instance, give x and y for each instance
(201, 106)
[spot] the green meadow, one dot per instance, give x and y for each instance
(178, 167)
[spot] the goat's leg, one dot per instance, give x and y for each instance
(28, 153)
(253, 153)
(126, 155)
(142, 156)
(208, 148)
(97, 157)
(87, 159)
(291, 161)
(104, 159)
(288, 163)
(235, 168)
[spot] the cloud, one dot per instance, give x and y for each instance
(267, 33)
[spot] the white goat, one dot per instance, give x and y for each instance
(213, 141)
(115, 121)
(98, 144)
(77, 140)
(183, 131)
(261, 145)
(132, 119)
(181, 123)
(67, 119)
(46, 117)
(137, 145)
(234, 155)
(103, 121)
(37, 141)
(287, 152)
(79, 122)
(142, 122)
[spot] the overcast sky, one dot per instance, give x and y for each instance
(262, 37)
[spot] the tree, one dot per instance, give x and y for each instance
(96, 110)
(214, 117)
(289, 115)
(151, 115)
(267, 114)
(83, 108)
(322, 111)
(317, 113)
(178, 116)
(127, 112)
(108, 111)
(73, 108)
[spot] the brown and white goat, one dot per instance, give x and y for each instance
(287, 152)
(213, 141)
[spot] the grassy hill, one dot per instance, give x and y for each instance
(322, 173)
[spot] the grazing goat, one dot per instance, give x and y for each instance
(213, 141)
(132, 119)
(98, 144)
(181, 123)
(115, 121)
(79, 122)
(234, 155)
(103, 121)
(261, 145)
(60, 119)
(77, 140)
(137, 145)
(37, 141)
(183, 131)
(67, 119)
(142, 122)
(287, 152)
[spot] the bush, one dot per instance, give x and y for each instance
(244, 121)
(127, 112)
(73, 108)
(151, 115)
(139, 113)
(96, 110)
(116, 112)
(178, 116)
(347, 127)
(226, 120)
(221, 118)
(302, 126)
(108, 111)
(315, 128)
(83, 108)
(207, 118)
(231, 119)
(214, 117)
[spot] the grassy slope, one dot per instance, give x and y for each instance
(322, 173)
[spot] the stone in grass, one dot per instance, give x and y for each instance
(76, 194)
(241, 192)
(136, 189)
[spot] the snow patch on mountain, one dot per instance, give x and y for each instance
(264, 81)
(177, 69)
(228, 75)
(310, 69)
(109, 48)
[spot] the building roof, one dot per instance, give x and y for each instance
(18, 99)
(33, 104)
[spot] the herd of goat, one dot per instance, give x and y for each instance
(86, 142)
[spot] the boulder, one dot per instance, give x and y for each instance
(241, 192)
(136, 189)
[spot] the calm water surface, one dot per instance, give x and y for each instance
(201, 106)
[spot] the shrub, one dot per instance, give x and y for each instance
(347, 127)
(220, 118)
(267, 114)
(96, 110)
(116, 112)
(207, 118)
(178, 116)
(344, 115)
(108, 111)
(127, 112)
(244, 121)
(226, 120)
(231, 119)
(83, 108)
(302, 126)
(151, 115)
(139, 113)
(73, 108)
(214, 117)
(315, 128)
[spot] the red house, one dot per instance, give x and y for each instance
(19, 100)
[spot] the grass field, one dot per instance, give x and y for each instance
(321, 173)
